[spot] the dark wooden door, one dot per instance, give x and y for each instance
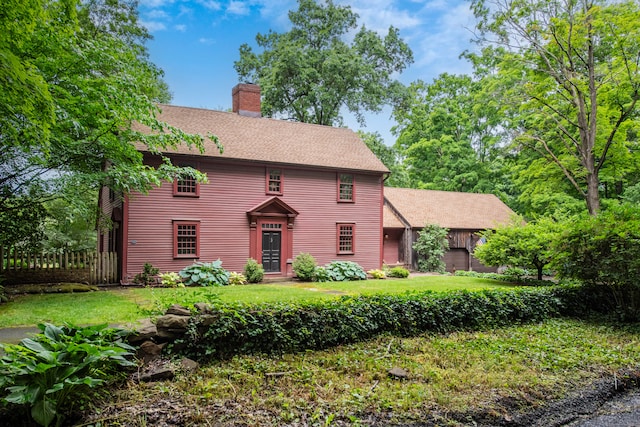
(271, 251)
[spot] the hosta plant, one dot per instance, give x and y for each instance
(341, 271)
(53, 371)
(205, 274)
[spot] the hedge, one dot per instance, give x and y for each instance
(281, 328)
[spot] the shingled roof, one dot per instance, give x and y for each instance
(274, 141)
(447, 209)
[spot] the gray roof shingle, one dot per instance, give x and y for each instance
(448, 209)
(274, 141)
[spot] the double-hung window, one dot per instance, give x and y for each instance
(274, 180)
(186, 186)
(346, 188)
(186, 239)
(345, 237)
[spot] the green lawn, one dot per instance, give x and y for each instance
(128, 305)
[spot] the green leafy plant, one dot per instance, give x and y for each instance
(398, 272)
(59, 367)
(603, 251)
(341, 271)
(320, 274)
(377, 274)
(253, 271)
(171, 280)
(205, 274)
(148, 276)
(431, 245)
(237, 278)
(304, 266)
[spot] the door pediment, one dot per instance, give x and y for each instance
(272, 207)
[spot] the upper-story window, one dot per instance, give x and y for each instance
(186, 186)
(274, 181)
(346, 188)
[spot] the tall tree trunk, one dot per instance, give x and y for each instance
(593, 197)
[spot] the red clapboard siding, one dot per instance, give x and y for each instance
(234, 189)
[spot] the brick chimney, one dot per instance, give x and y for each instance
(246, 99)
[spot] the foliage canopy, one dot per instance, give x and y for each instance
(311, 72)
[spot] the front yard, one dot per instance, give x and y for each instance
(123, 306)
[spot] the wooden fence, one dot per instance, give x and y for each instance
(18, 267)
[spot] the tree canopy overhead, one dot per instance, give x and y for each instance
(570, 74)
(74, 77)
(322, 65)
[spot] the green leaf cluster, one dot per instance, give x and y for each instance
(323, 65)
(205, 274)
(253, 271)
(56, 370)
(282, 328)
(519, 244)
(603, 251)
(343, 271)
(304, 265)
(431, 245)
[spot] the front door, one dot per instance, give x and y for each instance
(271, 251)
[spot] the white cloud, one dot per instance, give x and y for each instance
(238, 8)
(206, 41)
(180, 27)
(155, 3)
(210, 4)
(153, 26)
(156, 14)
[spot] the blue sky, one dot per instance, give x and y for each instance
(197, 42)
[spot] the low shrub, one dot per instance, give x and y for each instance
(343, 271)
(289, 327)
(148, 276)
(377, 274)
(237, 279)
(398, 272)
(253, 271)
(320, 274)
(205, 274)
(171, 280)
(304, 266)
(46, 377)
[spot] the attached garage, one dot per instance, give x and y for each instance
(408, 210)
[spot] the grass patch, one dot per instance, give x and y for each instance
(127, 305)
(87, 308)
(498, 370)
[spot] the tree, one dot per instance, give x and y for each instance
(389, 157)
(603, 251)
(431, 245)
(84, 80)
(449, 135)
(519, 244)
(575, 83)
(311, 72)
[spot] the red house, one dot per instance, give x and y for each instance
(279, 188)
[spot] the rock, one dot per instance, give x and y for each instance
(178, 310)
(144, 332)
(172, 322)
(207, 320)
(203, 308)
(398, 373)
(149, 351)
(158, 374)
(189, 365)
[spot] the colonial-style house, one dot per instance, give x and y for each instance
(278, 189)
(407, 211)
